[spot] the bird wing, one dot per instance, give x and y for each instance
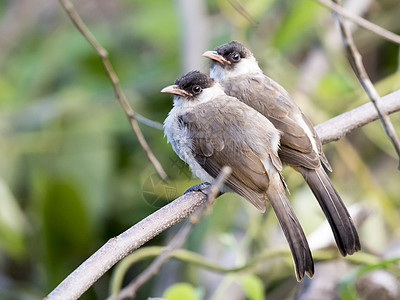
(318, 141)
(274, 102)
(214, 145)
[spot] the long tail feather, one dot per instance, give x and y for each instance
(303, 261)
(344, 231)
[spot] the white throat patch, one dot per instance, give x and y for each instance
(245, 66)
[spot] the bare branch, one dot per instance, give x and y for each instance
(148, 122)
(179, 239)
(361, 22)
(130, 113)
(130, 290)
(356, 63)
(117, 248)
(120, 246)
(337, 127)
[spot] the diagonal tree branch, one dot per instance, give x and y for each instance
(118, 247)
(337, 127)
(179, 239)
(361, 22)
(356, 63)
(130, 113)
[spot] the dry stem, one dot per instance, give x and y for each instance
(361, 22)
(130, 113)
(356, 63)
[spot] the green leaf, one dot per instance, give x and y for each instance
(12, 223)
(180, 291)
(347, 290)
(253, 287)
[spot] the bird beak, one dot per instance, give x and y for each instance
(174, 89)
(214, 55)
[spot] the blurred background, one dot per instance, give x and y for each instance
(73, 175)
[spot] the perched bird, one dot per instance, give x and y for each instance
(236, 69)
(209, 130)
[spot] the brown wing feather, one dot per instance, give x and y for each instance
(319, 144)
(214, 146)
(274, 102)
(293, 136)
(297, 158)
(248, 177)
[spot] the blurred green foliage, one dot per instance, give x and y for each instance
(73, 175)
(182, 291)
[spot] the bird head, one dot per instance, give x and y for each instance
(230, 60)
(193, 88)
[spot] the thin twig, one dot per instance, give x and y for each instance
(337, 127)
(179, 239)
(117, 248)
(242, 10)
(200, 261)
(130, 113)
(148, 122)
(361, 21)
(356, 63)
(130, 290)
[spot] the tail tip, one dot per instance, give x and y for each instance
(308, 270)
(344, 251)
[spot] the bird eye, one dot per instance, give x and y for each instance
(235, 57)
(196, 89)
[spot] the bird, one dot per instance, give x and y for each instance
(236, 69)
(209, 130)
